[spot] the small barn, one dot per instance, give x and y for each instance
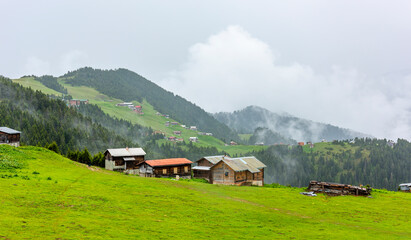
(9, 136)
(171, 167)
(230, 171)
(193, 139)
(405, 187)
(124, 159)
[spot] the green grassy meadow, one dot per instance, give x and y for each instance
(46, 196)
(148, 119)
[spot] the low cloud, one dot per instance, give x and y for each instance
(73, 60)
(36, 66)
(233, 69)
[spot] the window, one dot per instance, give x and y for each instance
(186, 169)
(226, 174)
(164, 171)
(175, 170)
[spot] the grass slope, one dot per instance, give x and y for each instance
(149, 119)
(46, 196)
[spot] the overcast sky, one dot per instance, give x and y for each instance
(347, 63)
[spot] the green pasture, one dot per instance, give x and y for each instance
(29, 82)
(46, 196)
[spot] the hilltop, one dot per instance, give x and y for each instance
(290, 127)
(47, 195)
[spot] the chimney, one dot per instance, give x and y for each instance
(127, 148)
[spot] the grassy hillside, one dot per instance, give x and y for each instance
(46, 196)
(149, 119)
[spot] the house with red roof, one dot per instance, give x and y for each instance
(171, 167)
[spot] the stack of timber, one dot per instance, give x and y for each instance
(337, 189)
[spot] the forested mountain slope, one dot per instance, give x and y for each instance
(128, 86)
(366, 161)
(43, 120)
(252, 117)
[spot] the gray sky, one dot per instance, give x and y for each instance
(346, 63)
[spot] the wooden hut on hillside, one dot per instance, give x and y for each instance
(9, 136)
(172, 167)
(124, 159)
(230, 171)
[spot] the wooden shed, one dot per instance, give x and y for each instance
(9, 136)
(405, 187)
(230, 171)
(124, 159)
(166, 168)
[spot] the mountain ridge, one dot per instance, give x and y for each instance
(251, 117)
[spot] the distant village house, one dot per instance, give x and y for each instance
(172, 167)
(405, 187)
(193, 139)
(177, 133)
(77, 102)
(194, 128)
(124, 104)
(124, 159)
(9, 136)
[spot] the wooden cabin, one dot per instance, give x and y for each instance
(202, 170)
(172, 167)
(124, 159)
(9, 136)
(230, 171)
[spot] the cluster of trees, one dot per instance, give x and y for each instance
(43, 120)
(51, 82)
(128, 86)
(367, 161)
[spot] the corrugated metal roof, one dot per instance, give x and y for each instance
(129, 158)
(126, 152)
(214, 159)
(254, 162)
(239, 165)
(168, 162)
(8, 130)
(203, 168)
(405, 184)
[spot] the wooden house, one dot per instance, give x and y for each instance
(172, 167)
(9, 136)
(230, 171)
(124, 159)
(177, 133)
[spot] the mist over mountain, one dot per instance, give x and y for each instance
(253, 117)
